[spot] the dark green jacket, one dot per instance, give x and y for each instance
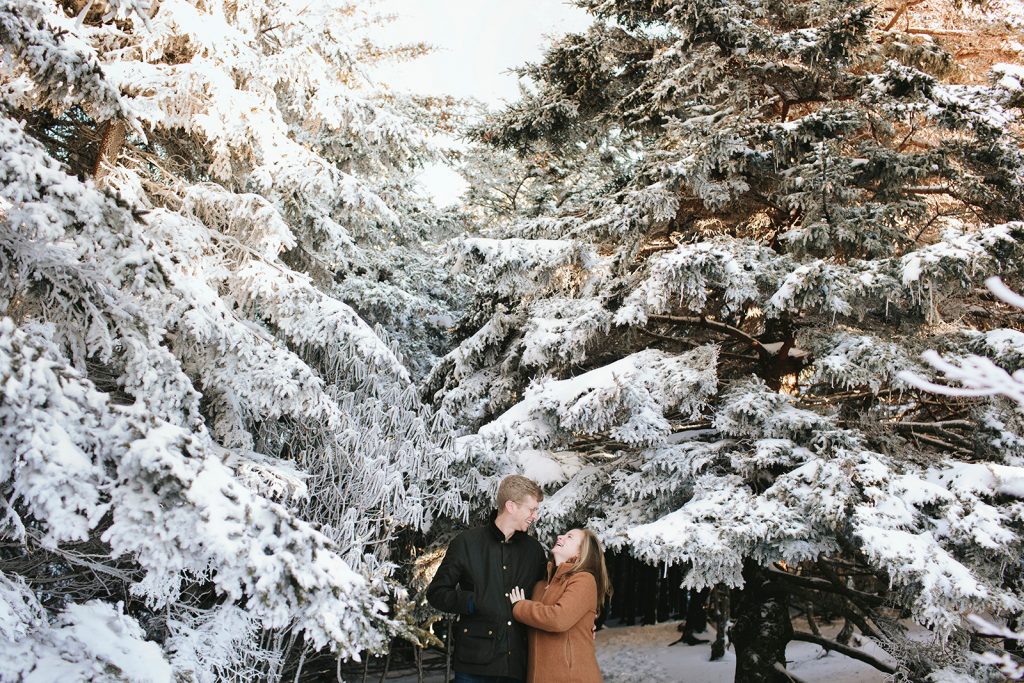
(481, 565)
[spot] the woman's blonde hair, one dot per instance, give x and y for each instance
(591, 559)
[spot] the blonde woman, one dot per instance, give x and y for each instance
(562, 612)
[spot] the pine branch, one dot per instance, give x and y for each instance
(827, 586)
(936, 427)
(850, 652)
(935, 441)
(666, 337)
(936, 32)
(849, 609)
(931, 189)
(716, 326)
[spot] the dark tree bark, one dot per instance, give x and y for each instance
(114, 134)
(846, 633)
(722, 616)
(677, 594)
(665, 588)
(648, 588)
(629, 596)
(762, 628)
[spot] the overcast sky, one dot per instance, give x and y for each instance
(477, 42)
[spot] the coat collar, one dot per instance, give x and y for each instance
(498, 534)
(560, 571)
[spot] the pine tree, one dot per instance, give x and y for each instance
(776, 207)
(206, 445)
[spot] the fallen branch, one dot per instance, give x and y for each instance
(900, 12)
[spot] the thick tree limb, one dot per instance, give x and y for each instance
(846, 607)
(716, 326)
(851, 652)
(827, 586)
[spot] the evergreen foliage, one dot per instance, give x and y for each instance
(735, 224)
(207, 440)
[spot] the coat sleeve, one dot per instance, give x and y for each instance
(580, 597)
(444, 593)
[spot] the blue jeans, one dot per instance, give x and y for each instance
(476, 678)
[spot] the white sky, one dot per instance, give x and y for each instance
(477, 42)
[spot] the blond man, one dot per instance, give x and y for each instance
(480, 568)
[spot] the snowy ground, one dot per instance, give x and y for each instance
(635, 654)
(640, 654)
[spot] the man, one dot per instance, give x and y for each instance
(480, 568)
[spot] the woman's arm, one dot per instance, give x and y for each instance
(579, 597)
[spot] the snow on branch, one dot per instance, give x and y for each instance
(39, 41)
(627, 400)
(516, 266)
(70, 457)
(976, 375)
(684, 277)
(93, 641)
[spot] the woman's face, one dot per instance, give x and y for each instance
(567, 546)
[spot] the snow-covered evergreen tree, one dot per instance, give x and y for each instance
(770, 210)
(206, 445)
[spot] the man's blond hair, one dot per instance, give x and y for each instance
(515, 487)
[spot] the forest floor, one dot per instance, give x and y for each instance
(641, 654)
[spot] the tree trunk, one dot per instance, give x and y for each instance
(677, 596)
(722, 619)
(114, 134)
(664, 608)
(648, 593)
(629, 598)
(762, 628)
(387, 666)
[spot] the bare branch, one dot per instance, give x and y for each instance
(850, 652)
(717, 326)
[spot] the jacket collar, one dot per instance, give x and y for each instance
(498, 534)
(560, 571)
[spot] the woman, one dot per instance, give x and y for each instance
(562, 612)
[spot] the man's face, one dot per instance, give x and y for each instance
(524, 512)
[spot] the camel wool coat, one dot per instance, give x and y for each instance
(561, 638)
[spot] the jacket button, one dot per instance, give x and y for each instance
(490, 633)
(510, 623)
(465, 630)
(504, 566)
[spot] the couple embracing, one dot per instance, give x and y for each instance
(486, 577)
